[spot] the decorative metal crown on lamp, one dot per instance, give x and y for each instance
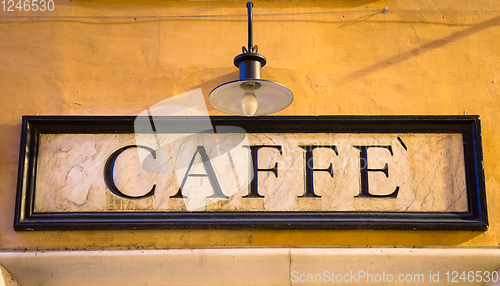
(250, 95)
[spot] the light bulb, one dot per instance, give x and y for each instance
(249, 103)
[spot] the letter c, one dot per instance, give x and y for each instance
(108, 173)
(399, 278)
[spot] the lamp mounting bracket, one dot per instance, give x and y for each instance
(250, 53)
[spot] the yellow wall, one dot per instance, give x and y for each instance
(423, 57)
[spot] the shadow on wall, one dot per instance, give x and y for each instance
(394, 60)
(9, 145)
(208, 85)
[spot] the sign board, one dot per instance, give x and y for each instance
(316, 172)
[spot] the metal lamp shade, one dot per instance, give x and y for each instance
(272, 97)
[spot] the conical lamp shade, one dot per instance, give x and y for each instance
(271, 96)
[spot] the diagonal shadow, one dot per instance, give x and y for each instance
(209, 85)
(358, 20)
(423, 49)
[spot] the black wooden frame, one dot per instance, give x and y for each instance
(469, 126)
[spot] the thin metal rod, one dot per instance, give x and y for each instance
(250, 27)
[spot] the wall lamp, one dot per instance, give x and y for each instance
(250, 95)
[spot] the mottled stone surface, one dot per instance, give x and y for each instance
(430, 174)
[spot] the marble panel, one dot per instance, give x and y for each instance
(427, 169)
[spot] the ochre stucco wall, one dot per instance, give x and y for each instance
(422, 58)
